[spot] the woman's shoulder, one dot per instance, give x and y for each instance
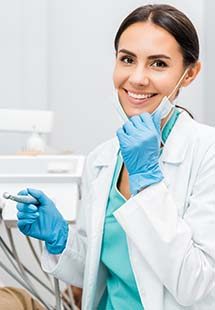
(103, 153)
(203, 132)
(194, 130)
(107, 147)
(100, 156)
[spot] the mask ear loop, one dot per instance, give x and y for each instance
(123, 116)
(177, 85)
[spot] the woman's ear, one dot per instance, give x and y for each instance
(191, 74)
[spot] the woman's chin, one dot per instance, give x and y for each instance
(136, 112)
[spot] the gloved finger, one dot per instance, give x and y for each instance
(146, 118)
(120, 133)
(129, 128)
(23, 207)
(23, 192)
(156, 118)
(39, 195)
(137, 122)
(27, 216)
(122, 136)
(25, 226)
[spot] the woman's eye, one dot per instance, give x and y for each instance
(159, 64)
(126, 59)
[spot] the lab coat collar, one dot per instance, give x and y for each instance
(174, 150)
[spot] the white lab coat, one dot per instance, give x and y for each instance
(170, 226)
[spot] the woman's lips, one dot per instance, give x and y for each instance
(138, 98)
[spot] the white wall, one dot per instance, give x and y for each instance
(23, 61)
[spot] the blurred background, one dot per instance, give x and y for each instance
(58, 55)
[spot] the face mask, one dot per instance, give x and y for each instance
(120, 112)
(164, 107)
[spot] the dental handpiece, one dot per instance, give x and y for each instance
(20, 198)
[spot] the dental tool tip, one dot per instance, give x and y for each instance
(6, 195)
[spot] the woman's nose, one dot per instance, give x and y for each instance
(139, 76)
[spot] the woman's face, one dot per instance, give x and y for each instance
(149, 63)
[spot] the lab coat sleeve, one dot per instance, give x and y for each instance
(180, 250)
(69, 266)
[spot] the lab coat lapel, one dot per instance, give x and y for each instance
(101, 187)
(104, 165)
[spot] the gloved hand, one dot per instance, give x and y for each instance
(43, 221)
(139, 140)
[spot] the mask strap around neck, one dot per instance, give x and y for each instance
(183, 75)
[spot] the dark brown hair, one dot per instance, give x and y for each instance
(173, 21)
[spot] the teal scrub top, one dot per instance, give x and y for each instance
(121, 290)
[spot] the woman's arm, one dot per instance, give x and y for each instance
(69, 266)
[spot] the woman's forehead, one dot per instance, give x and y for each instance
(150, 38)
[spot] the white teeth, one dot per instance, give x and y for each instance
(139, 96)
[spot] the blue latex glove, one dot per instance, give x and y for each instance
(43, 221)
(139, 140)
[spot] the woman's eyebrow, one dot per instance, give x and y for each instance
(126, 52)
(158, 56)
(151, 57)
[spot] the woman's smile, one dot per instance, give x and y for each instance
(139, 98)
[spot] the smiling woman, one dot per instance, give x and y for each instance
(145, 229)
(142, 76)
